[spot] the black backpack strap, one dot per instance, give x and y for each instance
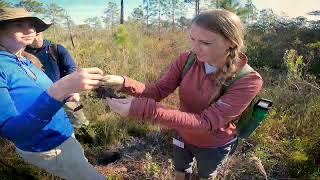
(53, 51)
(190, 61)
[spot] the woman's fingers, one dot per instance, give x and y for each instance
(95, 76)
(90, 87)
(83, 79)
(114, 105)
(113, 102)
(113, 80)
(122, 101)
(90, 82)
(90, 78)
(93, 70)
(120, 106)
(74, 97)
(130, 98)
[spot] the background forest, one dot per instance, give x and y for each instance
(285, 51)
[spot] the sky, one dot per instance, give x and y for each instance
(79, 10)
(291, 8)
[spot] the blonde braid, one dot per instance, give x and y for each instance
(227, 72)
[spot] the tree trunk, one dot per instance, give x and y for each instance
(173, 14)
(147, 15)
(197, 7)
(121, 14)
(112, 21)
(70, 34)
(159, 18)
(54, 28)
(53, 22)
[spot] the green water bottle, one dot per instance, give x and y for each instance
(250, 123)
(260, 109)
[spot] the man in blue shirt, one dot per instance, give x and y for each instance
(57, 63)
(55, 67)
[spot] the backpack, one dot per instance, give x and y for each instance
(53, 51)
(256, 111)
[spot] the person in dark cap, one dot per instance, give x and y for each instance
(31, 106)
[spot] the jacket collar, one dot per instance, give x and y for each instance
(46, 43)
(13, 56)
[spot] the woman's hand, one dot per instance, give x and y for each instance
(113, 81)
(74, 97)
(83, 79)
(120, 106)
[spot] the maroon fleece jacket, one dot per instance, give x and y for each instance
(196, 121)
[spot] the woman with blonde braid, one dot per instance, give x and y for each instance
(204, 121)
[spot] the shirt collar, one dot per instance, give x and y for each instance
(209, 68)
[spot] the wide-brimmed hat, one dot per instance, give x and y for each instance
(8, 15)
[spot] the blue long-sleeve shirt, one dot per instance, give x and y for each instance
(54, 70)
(29, 117)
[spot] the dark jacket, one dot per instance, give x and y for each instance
(54, 70)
